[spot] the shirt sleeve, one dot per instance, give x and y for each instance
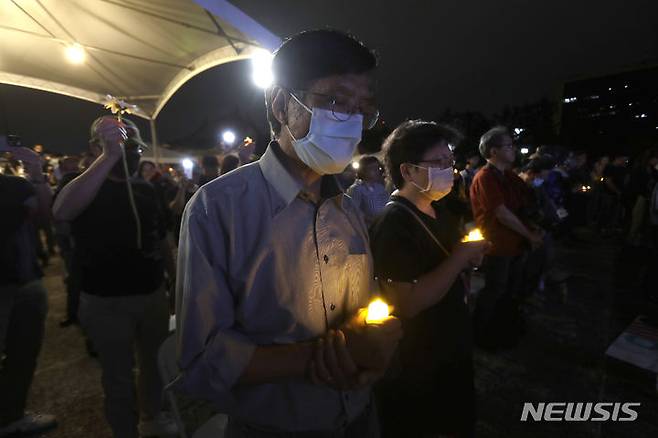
(212, 352)
(394, 250)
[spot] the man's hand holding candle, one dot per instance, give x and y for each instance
(356, 354)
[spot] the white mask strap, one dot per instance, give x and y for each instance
(301, 103)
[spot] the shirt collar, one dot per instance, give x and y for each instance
(284, 183)
(277, 176)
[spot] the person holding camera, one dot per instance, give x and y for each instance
(121, 252)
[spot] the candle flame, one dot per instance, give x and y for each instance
(473, 236)
(377, 311)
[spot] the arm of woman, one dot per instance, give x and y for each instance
(409, 299)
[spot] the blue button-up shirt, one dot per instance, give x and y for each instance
(261, 263)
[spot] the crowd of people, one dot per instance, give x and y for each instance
(268, 263)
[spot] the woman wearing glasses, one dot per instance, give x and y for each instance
(419, 261)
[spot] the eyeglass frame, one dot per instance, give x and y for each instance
(332, 104)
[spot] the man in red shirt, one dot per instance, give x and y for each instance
(498, 197)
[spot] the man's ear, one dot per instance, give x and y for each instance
(280, 105)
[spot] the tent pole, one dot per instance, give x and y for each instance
(154, 140)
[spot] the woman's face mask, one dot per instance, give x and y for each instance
(330, 143)
(439, 182)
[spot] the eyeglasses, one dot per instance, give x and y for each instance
(341, 107)
(442, 163)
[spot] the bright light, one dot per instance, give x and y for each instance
(570, 99)
(524, 151)
(475, 235)
(377, 311)
(187, 164)
(625, 86)
(518, 131)
(609, 88)
(75, 53)
(261, 64)
(355, 165)
(228, 137)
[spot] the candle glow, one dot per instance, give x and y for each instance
(377, 311)
(473, 236)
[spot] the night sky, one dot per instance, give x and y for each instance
(458, 54)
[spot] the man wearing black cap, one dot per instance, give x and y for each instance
(274, 262)
(121, 252)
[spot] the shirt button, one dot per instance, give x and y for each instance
(333, 307)
(326, 258)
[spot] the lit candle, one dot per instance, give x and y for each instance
(473, 236)
(377, 311)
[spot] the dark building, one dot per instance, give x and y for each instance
(609, 114)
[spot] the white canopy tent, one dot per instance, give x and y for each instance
(139, 51)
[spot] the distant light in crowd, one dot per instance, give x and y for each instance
(451, 147)
(187, 167)
(640, 116)
(228, 137)
(570, 99)
(630, 104)
(524, 151)
(595, 96)
(75, 54)
(187, 164)
(518, 131)
(261, 64)
(626, 86)
(609, 88)
(355, 165)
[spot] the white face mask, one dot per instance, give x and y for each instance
(330, 143)
(537, 182)
(439, 182)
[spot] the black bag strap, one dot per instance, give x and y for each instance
(422, 224)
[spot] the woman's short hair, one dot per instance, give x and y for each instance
(409, 142)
